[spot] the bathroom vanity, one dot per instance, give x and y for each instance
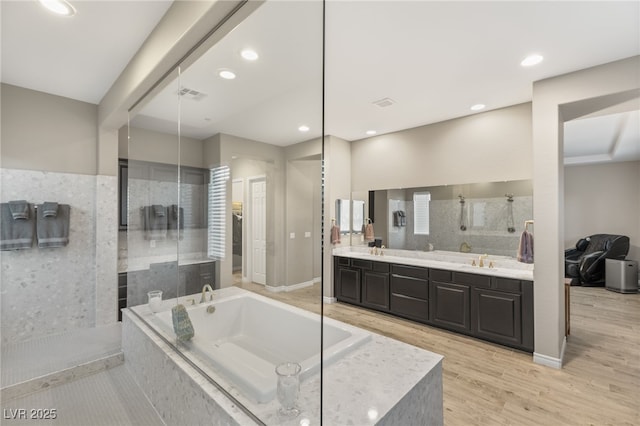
(442, 289)
(136, 278)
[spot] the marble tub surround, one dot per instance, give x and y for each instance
(504, 266)
(373, 383)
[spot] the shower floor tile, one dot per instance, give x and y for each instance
(108, 398)
(42, 356)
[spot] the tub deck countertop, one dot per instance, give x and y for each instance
(504, 266)
(380, 382)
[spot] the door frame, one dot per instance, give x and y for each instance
(247, 231)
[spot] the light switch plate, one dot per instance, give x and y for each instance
(292, 235)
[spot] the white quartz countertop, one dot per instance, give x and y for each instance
(143, 263)
(364, 386)
(505, 267)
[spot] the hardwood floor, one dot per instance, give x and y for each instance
(487, 384)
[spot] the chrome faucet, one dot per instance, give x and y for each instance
(206, 288)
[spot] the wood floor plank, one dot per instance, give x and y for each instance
(487, 384)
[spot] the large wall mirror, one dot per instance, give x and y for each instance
(485, 217)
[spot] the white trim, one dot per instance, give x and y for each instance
(317, 280)
(288, 288)
(329, 300)
(551, 361)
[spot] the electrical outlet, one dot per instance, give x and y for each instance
(292, 235)
(152, 243)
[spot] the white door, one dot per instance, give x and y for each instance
(259, 231)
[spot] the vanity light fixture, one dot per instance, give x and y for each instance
(303, 128)
(532, 60)
(249, 54)
(477, 107)
(59, 7)
(371, 132)
(226, 74)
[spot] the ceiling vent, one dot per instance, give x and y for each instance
(194, 95)
(385, 102)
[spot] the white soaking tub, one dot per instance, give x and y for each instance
(248, 335)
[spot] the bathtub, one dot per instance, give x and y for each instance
(248, 335)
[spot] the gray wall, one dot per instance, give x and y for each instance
(337, 176)
(556, 100)
(603, 198)
(486, 147)
(304, 211)
(221, 150)
(47, 132)
(148, 145)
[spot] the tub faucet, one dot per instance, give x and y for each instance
(206, 288)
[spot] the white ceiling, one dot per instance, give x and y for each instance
(434, 59)
(76, 57)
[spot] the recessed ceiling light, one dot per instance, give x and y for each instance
(303, 128)
(477, 107)
(249, 54)
(531, 60)
(226, 74)
(60, 7)
(371, 132)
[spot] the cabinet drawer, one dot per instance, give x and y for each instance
(412, 287)
(410, 271)
(483, 281)
(410, 307)
(508, 284)
(362, 264)
(440, 275)
(380, 267)
(343, 261)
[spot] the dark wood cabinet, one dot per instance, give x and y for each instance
(348, 284)
(449, 306)
(491, 308)
(497, 316)
(133, 286)
(375, 290)
(362, 282)
(504, 313)
(410, 292)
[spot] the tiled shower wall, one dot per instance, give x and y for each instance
(47, 291)
(485, 233)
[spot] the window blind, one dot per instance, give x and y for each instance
(421, 212)
(217, 212)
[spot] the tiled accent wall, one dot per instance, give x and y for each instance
(106, 249)
(47, 291)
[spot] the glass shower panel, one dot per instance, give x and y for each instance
(241, 178)
(254, 103)
(153, 220)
